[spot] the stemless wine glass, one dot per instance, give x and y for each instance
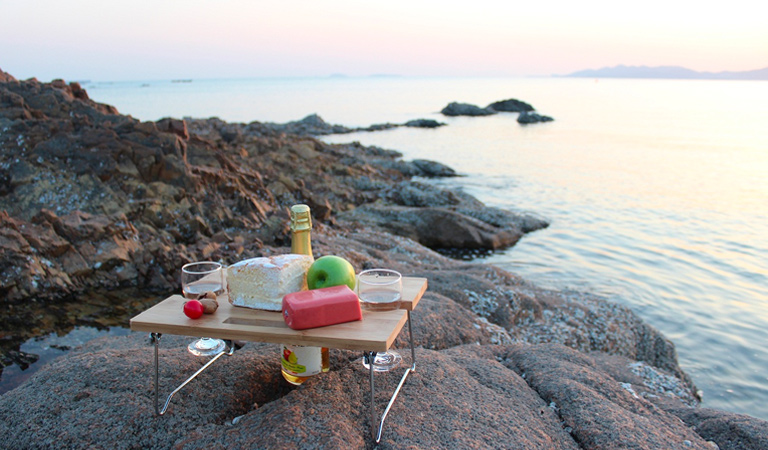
(381, 290)
(198, 278)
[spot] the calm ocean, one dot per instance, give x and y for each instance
(657, 190)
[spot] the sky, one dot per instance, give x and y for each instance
(116, 40)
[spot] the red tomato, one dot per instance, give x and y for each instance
(193, 309)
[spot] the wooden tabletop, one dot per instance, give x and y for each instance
(376, 332)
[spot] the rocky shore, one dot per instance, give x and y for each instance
(99, 211)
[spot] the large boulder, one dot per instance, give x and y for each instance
(504, 396)
(442, 219)
(436, 228)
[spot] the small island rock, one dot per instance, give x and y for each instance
(466, 109)
(424, 123)
(532, 117)
(510, 105)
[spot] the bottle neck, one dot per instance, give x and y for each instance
(301, 243)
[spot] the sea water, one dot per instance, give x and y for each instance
(656, 190)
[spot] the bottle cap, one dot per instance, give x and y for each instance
(300, 218)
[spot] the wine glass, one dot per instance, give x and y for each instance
(197, 278)
(381, 290)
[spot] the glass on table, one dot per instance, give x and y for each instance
(381, 290)
(197, 278)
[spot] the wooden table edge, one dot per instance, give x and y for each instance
(330, 336)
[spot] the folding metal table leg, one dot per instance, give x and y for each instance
(369, 358)
(156, 339)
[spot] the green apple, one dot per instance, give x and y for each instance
(328, 271)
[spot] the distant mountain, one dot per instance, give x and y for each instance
(676, 72)
(373, 75)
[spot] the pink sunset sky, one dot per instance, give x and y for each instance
(167, 39)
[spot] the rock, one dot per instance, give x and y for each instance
(57, 256)
(532, 117)
(424, 123)
(70, 164)
(463, 399)
(77, 91)
(728, 430)
(433, 169)
(510, 105)
(434, 227)
(458, 397)
(413, 193)
(312, 125)
(175, 126)
(377, 127)
(214, 128)
(466, 109)
(442, 219)
(6, 77)
(580, 321)
(527, 114)
(599, 411)
(21, 359)
(320, 207)
(501, 218)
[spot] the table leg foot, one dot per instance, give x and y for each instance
(230, 349)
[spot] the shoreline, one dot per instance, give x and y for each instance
(483, 304)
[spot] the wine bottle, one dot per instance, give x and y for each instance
(298, 363)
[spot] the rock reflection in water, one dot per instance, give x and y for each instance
(34, 334)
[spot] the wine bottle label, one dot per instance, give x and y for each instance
(302, 361)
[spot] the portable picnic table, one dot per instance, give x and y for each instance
(375, 333)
